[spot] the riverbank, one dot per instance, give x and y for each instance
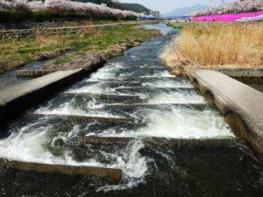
(16, 52)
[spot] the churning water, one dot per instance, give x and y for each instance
(178, 145)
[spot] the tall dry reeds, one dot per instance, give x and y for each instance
(217, 44)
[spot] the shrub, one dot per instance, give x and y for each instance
(23, 10)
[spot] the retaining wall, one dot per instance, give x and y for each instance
(241, 105)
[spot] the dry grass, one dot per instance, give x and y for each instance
(217, 44)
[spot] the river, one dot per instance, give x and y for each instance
(179, 145)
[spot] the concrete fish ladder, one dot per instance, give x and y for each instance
(154, 127)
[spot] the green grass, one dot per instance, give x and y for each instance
(63, 59)
(17, 51)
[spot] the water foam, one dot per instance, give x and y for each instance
(177, 122)
(107, 72)
(69, 109)
(18, 146)
(159, 74)
(185, 123)
(92, 89)
(168, 84)
(179, 97)
(134, 168)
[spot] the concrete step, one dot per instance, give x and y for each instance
(131, 90)
(181, 145)
(173, 83)
(200, 144)
(79, 118)
(128, 107)
(107, 98)
(146, 68)
(98, 141)
(142, 79)
(63, 124)
(95, 144)
(113, 174)
(108, 84)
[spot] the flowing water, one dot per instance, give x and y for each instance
(155, 127)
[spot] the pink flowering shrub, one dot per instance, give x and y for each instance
(237, 11)
(68, 8)
(238, 6)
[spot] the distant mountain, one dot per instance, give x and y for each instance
(130, 6)
(185, 11)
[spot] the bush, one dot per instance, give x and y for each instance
(237, 6)
(21, 10)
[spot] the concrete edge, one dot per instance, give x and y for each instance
(113, 174)
(245, 75)
(256, 72)
(19, 98)
(33, 73)
(241, 105)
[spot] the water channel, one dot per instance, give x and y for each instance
(169, 141)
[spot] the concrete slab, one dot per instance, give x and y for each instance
(113, 174)
(19, 98)
(241, 105)
(80, 118)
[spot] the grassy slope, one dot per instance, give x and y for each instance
(16, 51)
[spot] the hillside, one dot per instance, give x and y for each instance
(185, 11)
(131, 6)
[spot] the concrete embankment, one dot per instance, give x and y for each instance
(241, 105)
(19, 98)
(246, 75)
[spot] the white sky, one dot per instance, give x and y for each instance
(166, 6)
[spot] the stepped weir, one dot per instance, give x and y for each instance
(131, 128)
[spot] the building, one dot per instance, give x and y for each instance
(155, 13)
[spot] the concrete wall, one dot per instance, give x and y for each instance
(241, 105)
